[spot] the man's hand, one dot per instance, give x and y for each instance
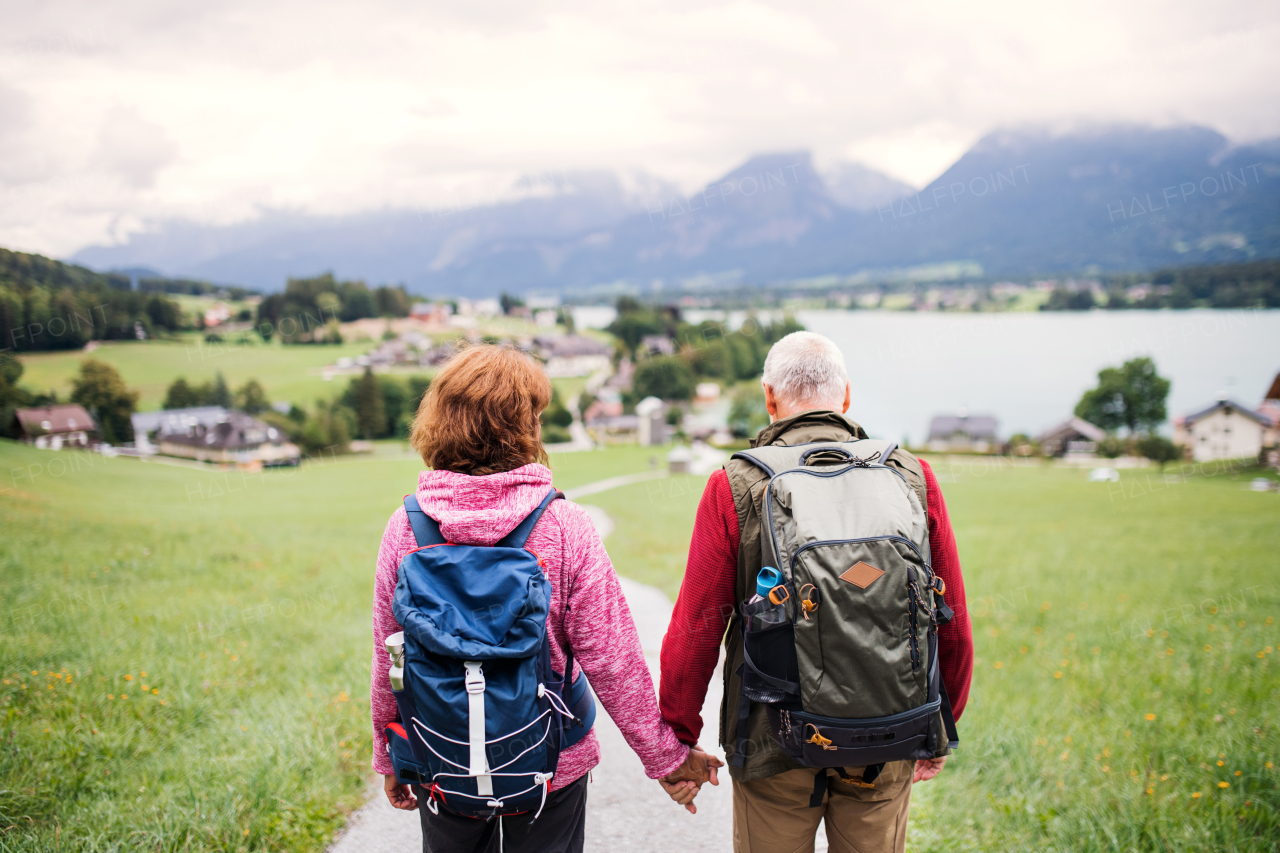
(698, 767)
(927, 769)
(401, 796)
(683, 784)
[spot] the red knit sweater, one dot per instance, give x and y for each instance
(692, 645)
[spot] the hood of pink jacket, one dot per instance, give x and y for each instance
(481, 510)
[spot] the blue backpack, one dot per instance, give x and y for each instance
(483, 716)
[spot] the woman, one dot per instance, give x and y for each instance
(478, 431)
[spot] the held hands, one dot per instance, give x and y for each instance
(683, 784)
(927, 769)
(399, 795)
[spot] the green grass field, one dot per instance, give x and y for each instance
(288, 373)
(1124, 640)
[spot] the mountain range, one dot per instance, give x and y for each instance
(1019, 202)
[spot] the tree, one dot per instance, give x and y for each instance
(1062, 299)
(164, 313)
(564, 317)
(1131, 396)
(1112, 447)
(1159, 450)
(371, 414)
(395, 399)
(181, 395)
(509, 303)
(418, 387)
(392, 302)
(251, 398)
(11, 396)
(101, 391)
(747, 412)
(328, 430)
(219, 394)
(667, 378)
(632, 326)
(556, 413)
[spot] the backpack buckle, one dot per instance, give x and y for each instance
(474, 678)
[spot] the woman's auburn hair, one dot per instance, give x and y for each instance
(480, 415)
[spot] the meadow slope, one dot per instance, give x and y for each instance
(185, 653)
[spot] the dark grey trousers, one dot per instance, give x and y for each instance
(559, 829)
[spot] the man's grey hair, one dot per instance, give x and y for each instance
(806, 368)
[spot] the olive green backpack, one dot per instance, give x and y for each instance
(844, 649)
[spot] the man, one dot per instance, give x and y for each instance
(806, 390)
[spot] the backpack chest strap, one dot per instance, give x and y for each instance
(475, 728)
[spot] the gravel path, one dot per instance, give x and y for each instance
(626, 811)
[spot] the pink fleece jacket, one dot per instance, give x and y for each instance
(599, 628)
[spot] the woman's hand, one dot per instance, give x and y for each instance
(682, 792)
(684, 783)
(400, 796)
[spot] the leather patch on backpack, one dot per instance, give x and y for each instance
(862, 574)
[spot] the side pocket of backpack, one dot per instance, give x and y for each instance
(408, 770)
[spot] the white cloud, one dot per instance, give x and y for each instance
(148, 109)
(132, 147)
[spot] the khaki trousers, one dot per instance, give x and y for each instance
(772, 815)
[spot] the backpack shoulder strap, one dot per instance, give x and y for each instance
(426, 530)
(516, 538)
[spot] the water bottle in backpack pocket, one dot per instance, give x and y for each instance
(769, 638)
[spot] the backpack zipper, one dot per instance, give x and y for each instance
(821, 542)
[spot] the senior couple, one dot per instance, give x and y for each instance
(478, 432)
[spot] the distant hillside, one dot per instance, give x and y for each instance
(1019, 202)
(46, 304)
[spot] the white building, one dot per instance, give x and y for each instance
(652, 426)
(1225, 430)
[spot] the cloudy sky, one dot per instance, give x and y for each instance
(117, 115)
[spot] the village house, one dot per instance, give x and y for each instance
(434, 314)
(1072, 437)
(1270, 409)
(149, 427)
(962, 433)
(1225, 430)
(657, 345)
(58, 426)
(571, 355)
(217, 314)
(237, 439)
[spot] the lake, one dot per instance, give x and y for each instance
(1030, 368)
